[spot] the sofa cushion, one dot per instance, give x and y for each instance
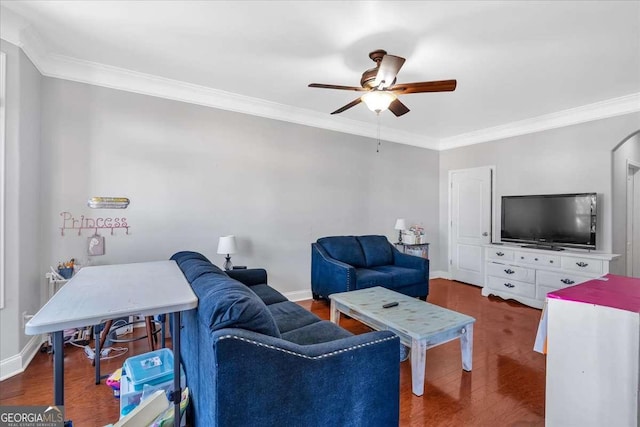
(316, 333)
(194, 268)
(376, 249)
(402, 276)
(267, 294)
(289, 316)
(367, 278)
(227, 303)
(345, 249)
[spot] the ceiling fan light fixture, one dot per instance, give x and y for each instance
(378, 100)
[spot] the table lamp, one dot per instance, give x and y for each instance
(401, 225)
(227, 245)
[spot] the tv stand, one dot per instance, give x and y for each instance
(544, 247)
(526, 274)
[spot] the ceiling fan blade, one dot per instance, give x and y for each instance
(419, 87)
(324, 86)
(398, 108)
(349, 105)
(387, 71)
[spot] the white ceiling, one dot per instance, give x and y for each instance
(519, 65)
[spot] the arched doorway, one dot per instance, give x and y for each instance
(626, 205)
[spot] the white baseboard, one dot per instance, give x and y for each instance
(298, 295)
(17, 364)
(440, 274)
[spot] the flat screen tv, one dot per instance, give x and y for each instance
(551, 220)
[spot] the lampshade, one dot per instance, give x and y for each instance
(378, 100)
(400, 224)
(227, 245)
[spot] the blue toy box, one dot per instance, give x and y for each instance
(152, 368)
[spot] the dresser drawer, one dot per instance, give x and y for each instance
(538, 259)
(512, 286)
(559, 280)
(500, 254)
(584, 265)
(512, 272)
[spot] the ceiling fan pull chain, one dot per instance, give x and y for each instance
(378, 147)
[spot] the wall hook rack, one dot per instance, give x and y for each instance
(69, 222)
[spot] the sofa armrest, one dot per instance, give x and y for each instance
(268, 381)
(410, 261)
(328, 275)
(249, 276)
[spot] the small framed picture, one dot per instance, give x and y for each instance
(95, 245)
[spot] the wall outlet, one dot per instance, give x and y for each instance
(25, 318)
(138, 321)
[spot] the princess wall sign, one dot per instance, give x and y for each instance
(70, 222)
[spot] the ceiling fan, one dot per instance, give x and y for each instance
(381, 90)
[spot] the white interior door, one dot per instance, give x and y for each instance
(470, 193)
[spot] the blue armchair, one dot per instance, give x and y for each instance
(347, 263)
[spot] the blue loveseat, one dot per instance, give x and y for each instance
(347, 263)
(254, 358)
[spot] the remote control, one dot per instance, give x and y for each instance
(391, 304)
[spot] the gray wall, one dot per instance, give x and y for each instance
(629, 150)
(195, 173)
(565, 160)
(23, 279)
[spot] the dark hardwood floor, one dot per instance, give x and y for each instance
(505, 388)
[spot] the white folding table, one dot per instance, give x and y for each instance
(99, 293)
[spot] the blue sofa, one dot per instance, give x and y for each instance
(347, 263)
(254, 358)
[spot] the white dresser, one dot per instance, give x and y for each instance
(527, 275)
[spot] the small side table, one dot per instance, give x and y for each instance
(417, 249)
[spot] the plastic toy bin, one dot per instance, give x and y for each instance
(130, 398)
(144, 374)
(151, 368)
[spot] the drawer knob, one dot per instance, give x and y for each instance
(550, 261)
(581, 264)
(500, 253)
(521, 257)
(509, 285)
(509, 271)
(567, 281)
(535, 259)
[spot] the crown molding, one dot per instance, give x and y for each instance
(11, 26)
(67, 68)
(598, 110)
(18, 31)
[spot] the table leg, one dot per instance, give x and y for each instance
(177, 393)
(418, 362)
(163, 333)
(150, 332)
(58, 368)
(103, 338)
(334, 315)
(466, 347)
(98, 349)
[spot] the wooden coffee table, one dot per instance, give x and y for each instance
(419, 325)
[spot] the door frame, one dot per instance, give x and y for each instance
(494, 204)
(630, 193)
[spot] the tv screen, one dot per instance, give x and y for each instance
(550, 220)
